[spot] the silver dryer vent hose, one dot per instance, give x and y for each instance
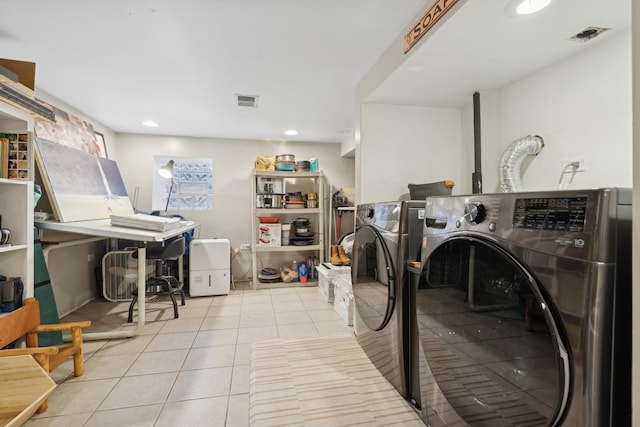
(511, 160)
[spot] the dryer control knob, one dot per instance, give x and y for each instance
(475, 212)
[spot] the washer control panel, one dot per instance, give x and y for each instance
(560, 214)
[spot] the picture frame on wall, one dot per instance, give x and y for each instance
(102, 145)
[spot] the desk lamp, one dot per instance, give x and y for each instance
(166, 171)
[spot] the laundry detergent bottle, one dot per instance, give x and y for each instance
(303, 272)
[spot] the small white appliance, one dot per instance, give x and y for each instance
(209, 267)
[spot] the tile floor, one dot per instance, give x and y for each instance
(190, 371)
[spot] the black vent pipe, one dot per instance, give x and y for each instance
(476, 177)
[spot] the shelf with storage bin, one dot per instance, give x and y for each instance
(281, 256)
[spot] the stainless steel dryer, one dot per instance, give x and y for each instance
(387, 236)
(524, 309)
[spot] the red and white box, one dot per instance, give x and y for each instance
(269, 234)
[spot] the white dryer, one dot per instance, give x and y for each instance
(209, 267)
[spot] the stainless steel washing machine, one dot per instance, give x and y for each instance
(524, 309)
(387, 236)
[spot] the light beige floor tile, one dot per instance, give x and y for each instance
(181, 325)
(280, 297)
(258, 299)
(240, 379)
(227, 300)
(243, 353)
(279, 291)
(64, 371)
(199, 412)
(324, 315)
(61, 421)
(199, 301)
(284, 307)
(333, 327)
(255, 334)
(302, 330)
(224, 310)
(210, 357)
(193, 312)
(149, 328)
(238, 412)
(140, 390)
(137, 416)
(257, 319)
(195, 380)
(292, 317)
(101, 367)
(221, 322)
(89, 347)
(135, 345)
(266, 307)
(201, 383)
(216, 337)
(173, 341)
(156, 362)
(79, 397)
(317, 305)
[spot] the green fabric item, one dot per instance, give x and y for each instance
(43, 292)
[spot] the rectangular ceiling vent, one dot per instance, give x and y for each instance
(588, 34)
(247, 101)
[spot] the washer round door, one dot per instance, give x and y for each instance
(373, 278)
(494, 350)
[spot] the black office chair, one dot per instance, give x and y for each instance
(162, 283)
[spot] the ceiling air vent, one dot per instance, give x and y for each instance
(588, 34)
(247, 101)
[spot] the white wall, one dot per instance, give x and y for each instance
(233, 162)
(400, 145)
(581, 107)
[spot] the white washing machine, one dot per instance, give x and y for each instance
(209, 267)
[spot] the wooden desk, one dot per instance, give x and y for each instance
(103, 228)
(24, 385)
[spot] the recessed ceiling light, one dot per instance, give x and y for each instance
(291, 132)
(525, 7)
(150, 124)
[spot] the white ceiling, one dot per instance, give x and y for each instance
(482, 48)
(181, 62)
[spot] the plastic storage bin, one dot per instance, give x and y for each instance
(343, 302)
(327, 274)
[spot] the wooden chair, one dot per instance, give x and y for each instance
(25, 322)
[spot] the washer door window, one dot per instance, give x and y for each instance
(373, 278)
(490, 338)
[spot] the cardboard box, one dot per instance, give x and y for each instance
(269, 234)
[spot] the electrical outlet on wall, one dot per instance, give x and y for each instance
(569, 161)
(245, 246)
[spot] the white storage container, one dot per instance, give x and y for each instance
(327, 274)
(209, 267)
(343, 302)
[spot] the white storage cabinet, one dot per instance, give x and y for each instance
(16, 207)
(209, 267)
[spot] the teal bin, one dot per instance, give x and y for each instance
(43, 292)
